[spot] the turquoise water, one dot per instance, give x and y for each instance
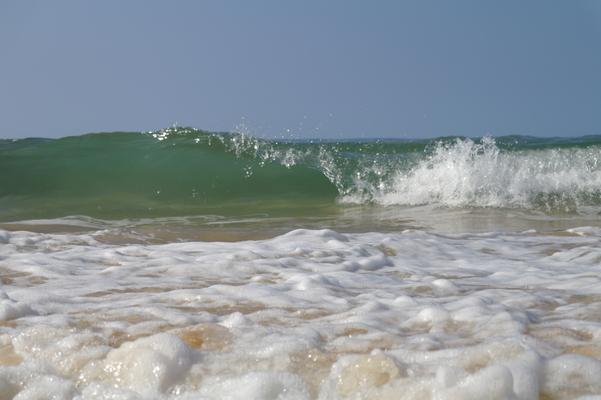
(188, 172)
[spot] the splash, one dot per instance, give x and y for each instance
(466, 173)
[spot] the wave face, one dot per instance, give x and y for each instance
(183, 171)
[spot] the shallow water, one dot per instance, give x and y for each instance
(309, 314)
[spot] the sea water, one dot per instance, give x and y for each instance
(186, 265)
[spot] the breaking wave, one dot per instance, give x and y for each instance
(184, 171)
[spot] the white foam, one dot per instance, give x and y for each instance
(148, 366)
(4, 236)
(11, 309)
(466, 173)
(309, 314)
(572, 370)
(254, 386)
(47, 387)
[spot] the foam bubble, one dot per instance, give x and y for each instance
(572, 375)
(256, 386)
(47, 387)
(309, 314)
(359, 372)
(147, 366)
(12, 309)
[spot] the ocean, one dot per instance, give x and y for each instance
(184, 264)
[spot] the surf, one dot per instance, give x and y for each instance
(186, 172)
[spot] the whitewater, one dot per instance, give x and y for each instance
(183, 264)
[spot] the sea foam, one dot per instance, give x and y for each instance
(304, 315)
(465, 173)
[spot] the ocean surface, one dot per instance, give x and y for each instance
(184, 264)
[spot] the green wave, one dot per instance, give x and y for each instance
(135, 174)
(184, 171)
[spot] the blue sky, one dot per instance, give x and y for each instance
(339, 68)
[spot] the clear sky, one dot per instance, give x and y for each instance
(336, 68)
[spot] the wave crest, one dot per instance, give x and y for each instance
(465, 173)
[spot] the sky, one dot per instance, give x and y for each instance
(300, 69)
